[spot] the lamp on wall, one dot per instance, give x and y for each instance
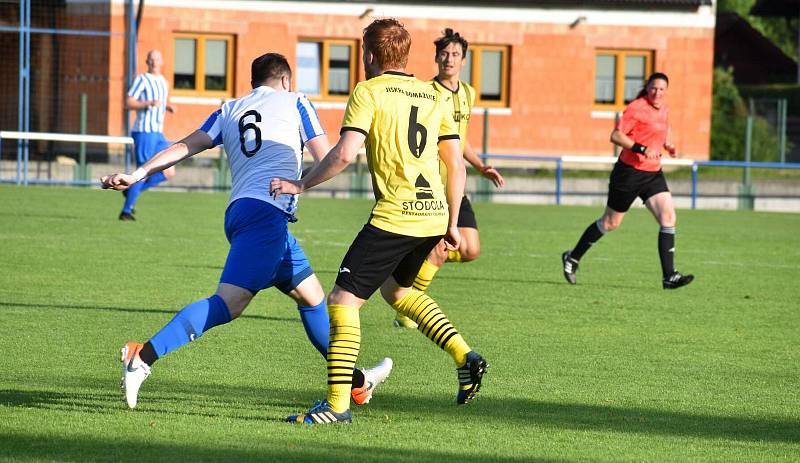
(578, 20)
(368, 12)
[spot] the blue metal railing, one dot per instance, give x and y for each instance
(561, 160)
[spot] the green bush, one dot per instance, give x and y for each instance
(729, 125)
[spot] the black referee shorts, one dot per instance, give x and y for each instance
(375, 254)
(626, 183)
(466, 216)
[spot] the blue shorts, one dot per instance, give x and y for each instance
(263, 253)
(147, 144)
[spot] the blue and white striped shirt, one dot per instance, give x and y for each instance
(149, 87)
(263, 134)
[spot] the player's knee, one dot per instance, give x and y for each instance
(438, 255)
(169, 172)
(668, 219)
(235, 298)
(611, 223)
(470, 253)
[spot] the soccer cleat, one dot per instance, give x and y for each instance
(126, 217)
(372, 377)
(676, 280)
(321, 413)
(570, 267)
(469, 378)
(401, 321)
(134, 372)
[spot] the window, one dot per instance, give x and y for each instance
(619, 75)
(486, 69)
(203, 65)
(326, 69)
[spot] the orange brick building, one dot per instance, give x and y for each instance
(552, 73)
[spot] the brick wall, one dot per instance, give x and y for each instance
(551, 72)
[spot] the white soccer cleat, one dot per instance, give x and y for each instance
(372, 377)
(134, 372)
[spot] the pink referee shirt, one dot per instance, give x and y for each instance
(645, 125)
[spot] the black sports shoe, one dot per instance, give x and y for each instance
(676, 280)
(570, 267)
(125, 217)
(469, 378)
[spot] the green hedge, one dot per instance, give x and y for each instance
(729, 124)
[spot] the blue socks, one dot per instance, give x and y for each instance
(153, 180)
(190, 323)
(137, 188)
(133, 194)
(315, 321)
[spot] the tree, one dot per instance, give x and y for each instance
(729, 124)
(782, 32)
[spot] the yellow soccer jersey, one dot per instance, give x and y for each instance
(460, 103)
(403, 119)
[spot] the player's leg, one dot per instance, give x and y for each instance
(470, 247)
(371, 258)
(297, 280)
(432, 322)
(622, 191)
(257, 234)
(161, 143)
(436, 258)
(661, 206)
(142, 146)
(187, 325)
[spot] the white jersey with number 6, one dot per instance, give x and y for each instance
(263, 134)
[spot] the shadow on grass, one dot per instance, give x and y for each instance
(251, 403)
(131, 310)
(489, 280)
(97, 448)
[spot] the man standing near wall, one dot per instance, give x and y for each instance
(148, 97)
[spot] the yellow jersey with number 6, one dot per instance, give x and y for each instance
(403, 119)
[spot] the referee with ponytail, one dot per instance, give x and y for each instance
(643, 134)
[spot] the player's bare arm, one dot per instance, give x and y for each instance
(623, 141)
(486, 170)
(669, 146)
(318, 147)
(189, 146)
(335, 161)
(450, 154)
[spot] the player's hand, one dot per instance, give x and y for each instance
(117, 181)
(652, 153)
(492, 174)
(279, 186)
(452, 239)
(671, 150)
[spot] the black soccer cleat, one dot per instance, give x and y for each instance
(469, 378)
(125, 217)
(570, 267)
(676, 280)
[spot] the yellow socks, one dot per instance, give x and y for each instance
(432, 323)
(454, 256)
(345, 342)
(425, 276)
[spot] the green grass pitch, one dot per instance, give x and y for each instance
(613, 369)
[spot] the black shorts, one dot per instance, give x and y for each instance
(626, 183)
(466, 216)
(375, 254)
